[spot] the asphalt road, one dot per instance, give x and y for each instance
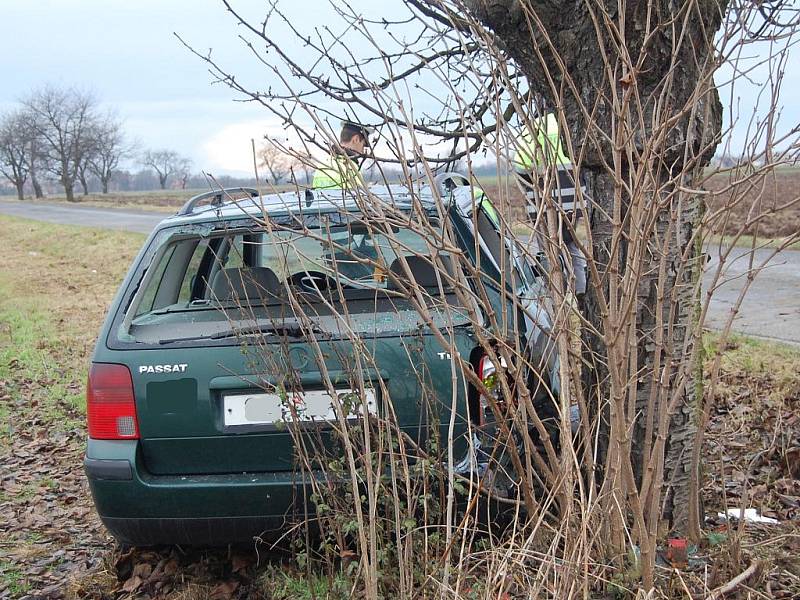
(770, 310)
(124, 220)
(771, 306)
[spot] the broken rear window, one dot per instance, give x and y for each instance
(213, 287)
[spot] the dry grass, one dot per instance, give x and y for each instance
(764, 199)
(752, 459)
(166, 201)
(68, 275)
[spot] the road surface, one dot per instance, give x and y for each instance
(771, 308)
(110, 218)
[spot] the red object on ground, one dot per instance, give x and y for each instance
(677, 552)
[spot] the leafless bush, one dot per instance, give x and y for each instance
(632, 88)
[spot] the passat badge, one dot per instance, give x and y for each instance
(180, 368)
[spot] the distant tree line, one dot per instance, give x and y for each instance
(61, 137)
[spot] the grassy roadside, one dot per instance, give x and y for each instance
(55, 285)
(54, 290)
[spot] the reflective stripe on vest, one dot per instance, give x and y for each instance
(563, 188)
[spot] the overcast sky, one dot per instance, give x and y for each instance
(125, 51)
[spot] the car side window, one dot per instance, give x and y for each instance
(148, 302)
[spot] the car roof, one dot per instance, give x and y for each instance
(296, 202)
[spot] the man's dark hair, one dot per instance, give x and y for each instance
(350, 129)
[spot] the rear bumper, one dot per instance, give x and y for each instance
(194, 532)
(142, 509)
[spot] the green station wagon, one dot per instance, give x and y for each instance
(186, 404)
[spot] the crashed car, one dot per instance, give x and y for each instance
(188, 440)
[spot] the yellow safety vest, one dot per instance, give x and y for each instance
(339, 172)
(546, 150)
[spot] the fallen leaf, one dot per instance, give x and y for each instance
(132, 584)
(224, 590)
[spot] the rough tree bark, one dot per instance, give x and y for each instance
(672, 44)
(84, 183)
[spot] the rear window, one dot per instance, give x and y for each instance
(210, 287)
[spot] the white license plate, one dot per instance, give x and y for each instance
(315, 405)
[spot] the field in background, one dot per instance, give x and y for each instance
(167, 201)
(778, 188)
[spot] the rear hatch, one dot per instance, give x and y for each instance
(220, 362)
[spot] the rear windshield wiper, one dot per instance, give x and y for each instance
(289, 329)
(174, 308)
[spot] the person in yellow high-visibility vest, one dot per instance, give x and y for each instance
(341, 169)
(541, 164)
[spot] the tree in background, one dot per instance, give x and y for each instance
(184, 172)
(36, 166)
(278, 163)
(164, 162)
(62, 120)
(15, 148)
(109, 148)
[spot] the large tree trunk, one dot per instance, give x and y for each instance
(572, 58)
(84, 185)
(104, 183)
(659, 322)
(20, 190)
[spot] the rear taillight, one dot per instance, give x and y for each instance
(110, 403)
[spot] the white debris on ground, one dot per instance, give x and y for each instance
(750, 514)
